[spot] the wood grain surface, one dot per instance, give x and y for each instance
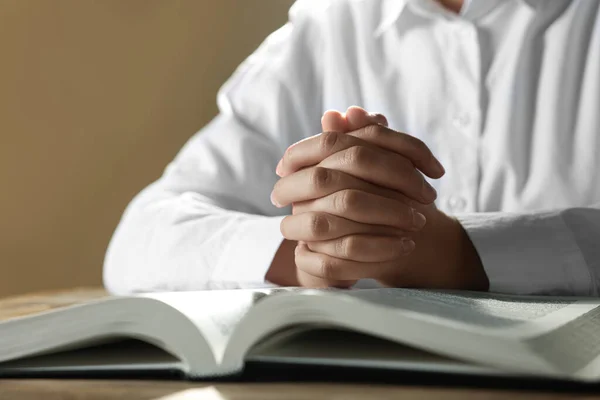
(35, 303)
(146, 390)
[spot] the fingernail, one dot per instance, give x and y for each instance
(381, 118)
(419, 219)
(278, 169)
(429, 192)
(408, 245)
(273, 201)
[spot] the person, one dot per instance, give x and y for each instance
(473, 161)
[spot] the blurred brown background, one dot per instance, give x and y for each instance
(96, 97)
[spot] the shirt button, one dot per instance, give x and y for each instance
(462, 121)
(466, 32)
(457, 204)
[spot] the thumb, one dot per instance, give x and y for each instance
(334, 121)
(358, 118)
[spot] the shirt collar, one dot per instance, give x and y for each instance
(391, 11)
(472, 10)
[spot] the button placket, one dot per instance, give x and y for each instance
(456, 203)
(463, 118)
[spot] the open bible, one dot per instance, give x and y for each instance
(210, 334)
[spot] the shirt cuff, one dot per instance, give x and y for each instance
(250, 252)
(528, 253)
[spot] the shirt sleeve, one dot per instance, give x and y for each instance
(545, 253)
(208, 222)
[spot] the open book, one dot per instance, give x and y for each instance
(209, 334)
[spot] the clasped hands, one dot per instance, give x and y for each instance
(362, 209)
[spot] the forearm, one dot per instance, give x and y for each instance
(182, 243)
(552, 253)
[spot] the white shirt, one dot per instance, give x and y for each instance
(507, 95)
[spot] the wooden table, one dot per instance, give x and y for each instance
(173, 390)
(146, 390)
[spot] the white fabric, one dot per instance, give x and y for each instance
(507, 94)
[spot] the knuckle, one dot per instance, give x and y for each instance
(327, 269)
(320, 178)
(347, 247)
(328, 141)
(319, 225)
(357, 155)
(374, 131)
(353, 199)
(347, 200)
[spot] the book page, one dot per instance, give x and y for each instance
(127, 355)
(215, 313)
(334, 347)
(573, 345)
(481, 309)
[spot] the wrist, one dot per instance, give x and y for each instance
(282, 271)
(469, 267)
